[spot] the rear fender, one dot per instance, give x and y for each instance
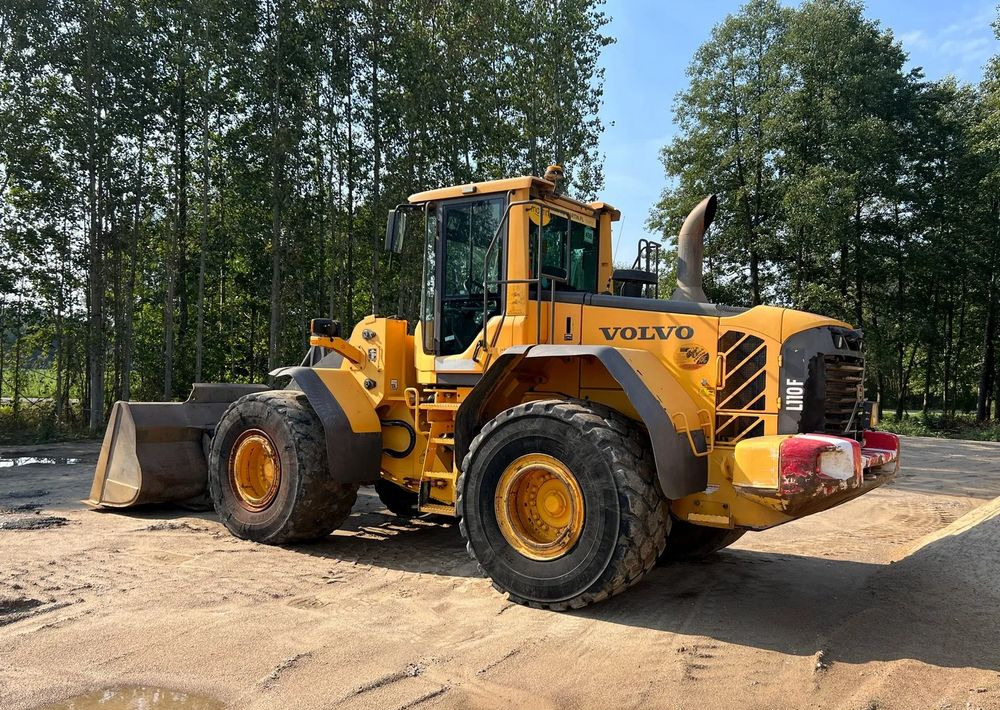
(653, 391)
(351, 427)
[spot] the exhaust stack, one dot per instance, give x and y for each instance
(691, 251)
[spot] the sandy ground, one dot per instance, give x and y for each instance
(890, 601)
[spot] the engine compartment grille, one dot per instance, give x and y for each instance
(844, 394)
(745, 359)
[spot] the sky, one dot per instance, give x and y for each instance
(656, 39)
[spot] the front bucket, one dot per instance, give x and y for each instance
(156, 452)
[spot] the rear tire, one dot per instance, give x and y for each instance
(304, 503)
(625, 516)
(694, 542)
(398, 500)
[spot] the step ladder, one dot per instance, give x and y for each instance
(438, 477)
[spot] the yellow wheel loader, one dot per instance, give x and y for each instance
(578, 427)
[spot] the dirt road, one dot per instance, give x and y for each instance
(891, 601)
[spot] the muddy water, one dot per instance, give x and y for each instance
(27, 460)
(34, 522)
(137, 698)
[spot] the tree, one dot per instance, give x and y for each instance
(988, 135)
(162, 160)
(849, 186)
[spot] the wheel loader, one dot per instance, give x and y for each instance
(579, 428)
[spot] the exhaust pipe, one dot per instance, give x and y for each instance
(691, 252)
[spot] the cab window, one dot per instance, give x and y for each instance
(583, 257)
(428, 297)
(581, 242)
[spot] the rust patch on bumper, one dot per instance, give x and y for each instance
(818, 471)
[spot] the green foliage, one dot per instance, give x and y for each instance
(183, 185)
(727, 119)
(960, 426)
(36, 424)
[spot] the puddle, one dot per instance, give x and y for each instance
(138, 698)
(28, 460)
(32, 493)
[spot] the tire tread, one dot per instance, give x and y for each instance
(645, 518)
(321, 504)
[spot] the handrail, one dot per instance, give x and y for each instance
(648, 259)
(537, 280)
(706, 429)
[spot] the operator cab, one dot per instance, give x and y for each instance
(457, 297)
(511, 254)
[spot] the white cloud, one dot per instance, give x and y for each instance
(966, 49)
(960, 48)
(916, 38)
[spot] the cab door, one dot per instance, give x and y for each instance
(456, 299)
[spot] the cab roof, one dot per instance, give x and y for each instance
(505, 185)
(475, 188)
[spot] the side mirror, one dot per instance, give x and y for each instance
(324, 326)
(395, 230)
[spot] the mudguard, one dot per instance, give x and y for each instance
(351, 427)
(654, 392)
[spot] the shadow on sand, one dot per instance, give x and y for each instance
(939, 605)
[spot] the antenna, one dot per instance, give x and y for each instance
(621, 230)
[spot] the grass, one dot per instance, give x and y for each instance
(36, 424)
(942, 426)
(35, 383)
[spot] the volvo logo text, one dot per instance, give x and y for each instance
(648, 332)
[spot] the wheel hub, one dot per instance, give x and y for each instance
(254, 469)
(539, 507)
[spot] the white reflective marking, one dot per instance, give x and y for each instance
(837, 464)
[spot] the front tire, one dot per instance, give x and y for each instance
(268, 474)
(559, 504)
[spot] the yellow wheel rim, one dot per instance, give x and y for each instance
(539, 507)
(254, 469)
